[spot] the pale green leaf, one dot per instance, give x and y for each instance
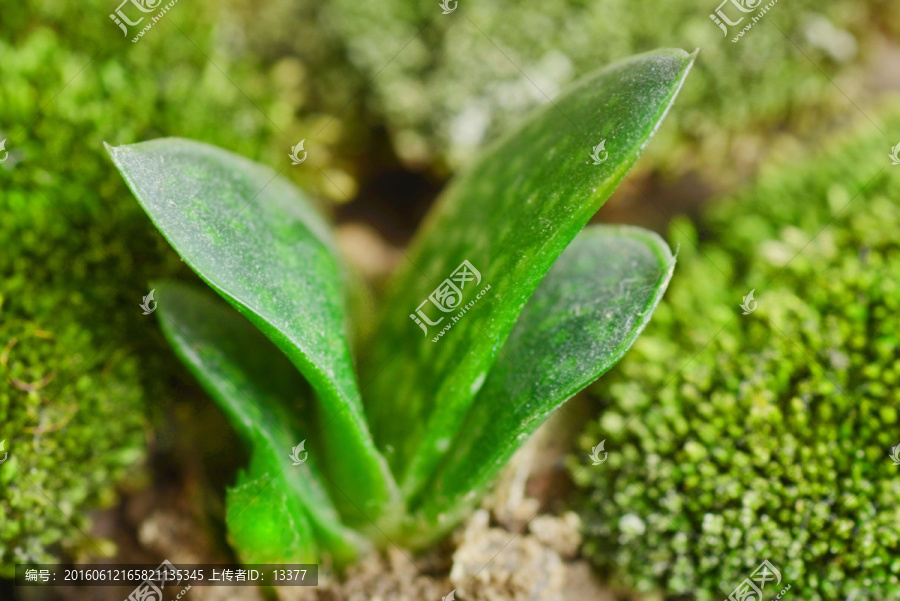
(261, 245)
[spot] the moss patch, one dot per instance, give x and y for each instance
(736, 438)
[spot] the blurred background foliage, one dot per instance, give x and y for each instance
(443, 84)
(391, 98)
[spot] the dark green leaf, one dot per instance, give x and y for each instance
(582, 319)
(510, 216)
(262, 394)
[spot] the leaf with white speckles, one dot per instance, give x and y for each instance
(262, 245)
(510, 216)
(581, 321)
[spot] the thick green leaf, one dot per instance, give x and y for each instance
(510, 216)
(261, 245)
(582, 319)
(277, 511)
(266, 520)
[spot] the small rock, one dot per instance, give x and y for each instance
(562, 534)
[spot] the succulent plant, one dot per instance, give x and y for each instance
(403, 436)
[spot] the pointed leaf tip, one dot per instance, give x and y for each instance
(580, 322)
(510, 215)
(264, 247)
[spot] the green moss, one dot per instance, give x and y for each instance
(70, 442)
(78, 253)
(736, 438)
